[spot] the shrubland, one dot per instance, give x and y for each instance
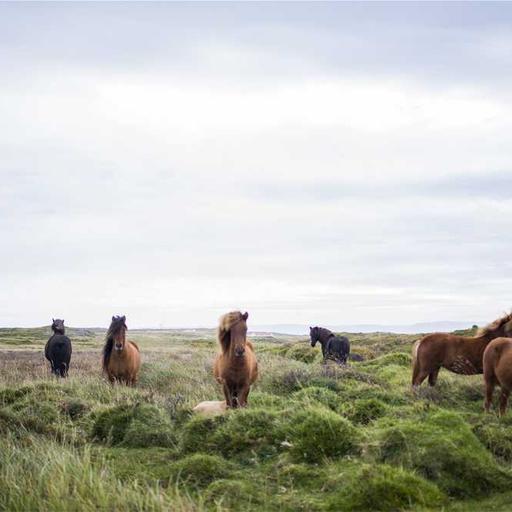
(314, 437)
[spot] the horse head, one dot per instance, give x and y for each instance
(313, 335)
(238, 334)
(117, 332)
(58, 326)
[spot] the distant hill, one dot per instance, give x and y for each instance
(423, 327)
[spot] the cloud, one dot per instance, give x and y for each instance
(176, 171)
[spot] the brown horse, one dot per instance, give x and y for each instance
(235, 367)
(459, 354)
(498, 371)
(121, 358)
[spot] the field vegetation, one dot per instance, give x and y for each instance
(314, 437)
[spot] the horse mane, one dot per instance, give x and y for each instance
(323, 330)
(495, 326)
(226, 322)
(115, 327)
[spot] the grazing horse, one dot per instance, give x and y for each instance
(459, 354)
(58, 349)
(235, 367)
(121, 358)
(334, 347)
(497, 363)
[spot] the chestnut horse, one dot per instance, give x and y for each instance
(498, 371)
(235, 367)
(459, 354)
(121, 358)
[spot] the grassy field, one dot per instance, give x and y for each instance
(313, 437)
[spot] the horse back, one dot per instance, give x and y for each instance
(135, 345)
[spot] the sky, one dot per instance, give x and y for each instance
(310, 163)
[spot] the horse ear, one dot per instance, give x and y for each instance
(245, 316)
(113, 318)
(63, 321)
(53, 320)
(310, 328)
(124, 318)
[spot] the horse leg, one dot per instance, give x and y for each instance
(489, 391)
(432, 376)
(228, 396)
(504, 400)
(243, 394)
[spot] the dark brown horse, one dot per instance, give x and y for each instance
(58, 349)
(498, 371)
(459, 354)
(121, 358)
(235, 367)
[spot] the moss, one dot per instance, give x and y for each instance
(443, 449)
(383, 488)
(200, 469)
(316, 433)
(365, 411)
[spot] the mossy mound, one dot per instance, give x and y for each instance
(382, 488)
(395, 358)
(496, 436)
(37, 408)
(316, 433)
(200, 469)
(249, 430)
(314, 395)
(442, 448)
(232, 494)
(303, 353)
(196, 433)
(137, 425)
(365, 411)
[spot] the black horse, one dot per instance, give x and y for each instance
(333, 347)
(58, 349)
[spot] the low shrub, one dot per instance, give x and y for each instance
(314, 395)
(442, 448)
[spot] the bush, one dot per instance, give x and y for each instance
(384, 488)
(200, 469)
(303, 353)
(442, 448)
(316, 433)
(365, 411)
(254, 430)
(137, 426)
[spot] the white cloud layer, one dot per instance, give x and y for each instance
(173, 192)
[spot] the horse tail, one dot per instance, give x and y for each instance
(415, 362)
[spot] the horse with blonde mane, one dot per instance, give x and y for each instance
(235, 367)
(458, 354)
(121, 358)
(497, 363)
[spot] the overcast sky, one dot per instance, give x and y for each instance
(309, 163)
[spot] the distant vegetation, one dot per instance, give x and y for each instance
(314, 438)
